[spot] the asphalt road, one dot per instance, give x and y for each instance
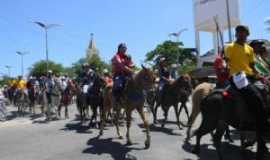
(32, 138)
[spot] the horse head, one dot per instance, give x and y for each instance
(184, 82)
(146, 78)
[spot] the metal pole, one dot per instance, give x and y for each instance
(22, 67)
(8, 68)
(47, 51)
(229, 20)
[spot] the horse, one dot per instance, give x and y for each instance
(199, 93)
(131, 99)
(32, 96)
(95, 96)
(105, 110)
(81, 102)
(171, 95)
(22, 101)
(222, 108)
(66, 98)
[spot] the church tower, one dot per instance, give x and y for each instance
(91, 50)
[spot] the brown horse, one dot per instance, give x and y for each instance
(133, 98)
(173, 94)
(201, 91)
(107, 107)
(66, 98)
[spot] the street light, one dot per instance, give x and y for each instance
(22, 54)
(46, 27)
(9, 70)
(177, 34)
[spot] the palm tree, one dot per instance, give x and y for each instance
(267, 23)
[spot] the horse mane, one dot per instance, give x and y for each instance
(184, 77)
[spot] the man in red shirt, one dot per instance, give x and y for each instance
(122, 68)
(221, 72)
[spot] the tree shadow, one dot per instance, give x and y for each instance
(108, 146)
(78, 127)
(154, 128)
(229, 151)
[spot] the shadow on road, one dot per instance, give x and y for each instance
(108, 146)
(36, 116)
(229, 151)
(12, 115)
(154, 128)
(78, 127)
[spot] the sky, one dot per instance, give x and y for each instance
(141, 24)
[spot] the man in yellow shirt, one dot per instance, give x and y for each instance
(20, 84)
(240, 57)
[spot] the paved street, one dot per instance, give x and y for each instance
(31, 138)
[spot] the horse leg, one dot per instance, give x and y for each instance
(207, 126)
(59, 110)
(128, 114)
(186, 110)
(94, 109)
(146, 126)
(155, 112)
(66, 112)
(194, 114)
(175, 106)
(221, 128)
(34, 109)
(228, 134)
(116, 122)
(102, 120)
(165, 110)
(261, 147)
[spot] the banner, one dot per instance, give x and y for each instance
(206, 10)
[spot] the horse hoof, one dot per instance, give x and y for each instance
(129, 143)
(195, 150)
(100, 133)
(147, 144)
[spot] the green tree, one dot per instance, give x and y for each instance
(175, 53)
(96, 62)
(4, 80)
(77, 65)
(39, 68)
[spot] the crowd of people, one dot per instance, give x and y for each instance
(242, 65)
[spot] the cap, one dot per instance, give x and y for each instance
(242, 28)
(256, 42)
(122, 45)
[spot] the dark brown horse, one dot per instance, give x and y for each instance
(66, 98)
(133, 98)
(95, 97)
(173, 94)
(218, 111)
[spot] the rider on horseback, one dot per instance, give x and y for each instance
(122, 68)
(240, 57)
(85, 77)
(107, 78)
(20, 85)
(164, 74)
